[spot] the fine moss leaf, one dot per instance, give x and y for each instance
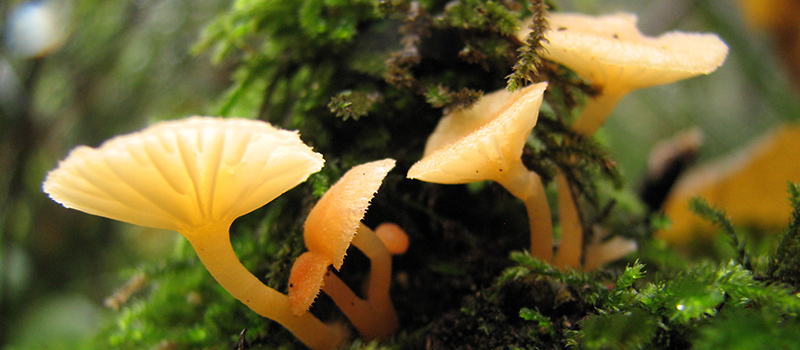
(529, 58)
(785, 265)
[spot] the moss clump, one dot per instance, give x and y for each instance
(531, 305)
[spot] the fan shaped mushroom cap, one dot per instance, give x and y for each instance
(479, 143)
(334, 220)
(196, 176)
(181, 174)
(610, 51)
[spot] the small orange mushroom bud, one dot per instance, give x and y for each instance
(196, 176)
(332, 225)
(393, 237)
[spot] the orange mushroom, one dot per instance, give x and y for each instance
(196, 176)
(331, 227)
(393, 237)
(485, 142)
(750, 185)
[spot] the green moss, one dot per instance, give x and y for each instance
(785, 266)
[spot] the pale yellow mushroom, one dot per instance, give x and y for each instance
(331, 227)
(611, 53)
(196, 176)
(485, 142)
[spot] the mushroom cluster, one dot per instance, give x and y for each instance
(196, 176)
(611, 53)
(331, 227)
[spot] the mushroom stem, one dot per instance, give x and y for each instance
(595, 112)
(570, 246)
(380, 278)
(375, 317)
(216, 253)
(527, 186)
(599, 253)
(357, 310)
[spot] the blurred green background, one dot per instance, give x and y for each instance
(112, 67)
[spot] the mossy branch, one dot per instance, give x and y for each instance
(529, 59)
(354, 104)
(718, 217)
(785, 265)
(441, 96)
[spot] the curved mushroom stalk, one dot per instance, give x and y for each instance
(527, 186)
(220, 260)
(375, 316)
(331, 227)
(196, 176)
(485, 142)
(611, 53)
(571, 252)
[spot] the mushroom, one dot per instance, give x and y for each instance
(196, 176)
(600, 251)
(611, 53)
(485, 142)
(393, 237)
(750, 185)
(331, 227)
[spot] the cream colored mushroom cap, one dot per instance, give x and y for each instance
(183, 174)
(334, 220)
(609, 51)
(478, 144)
